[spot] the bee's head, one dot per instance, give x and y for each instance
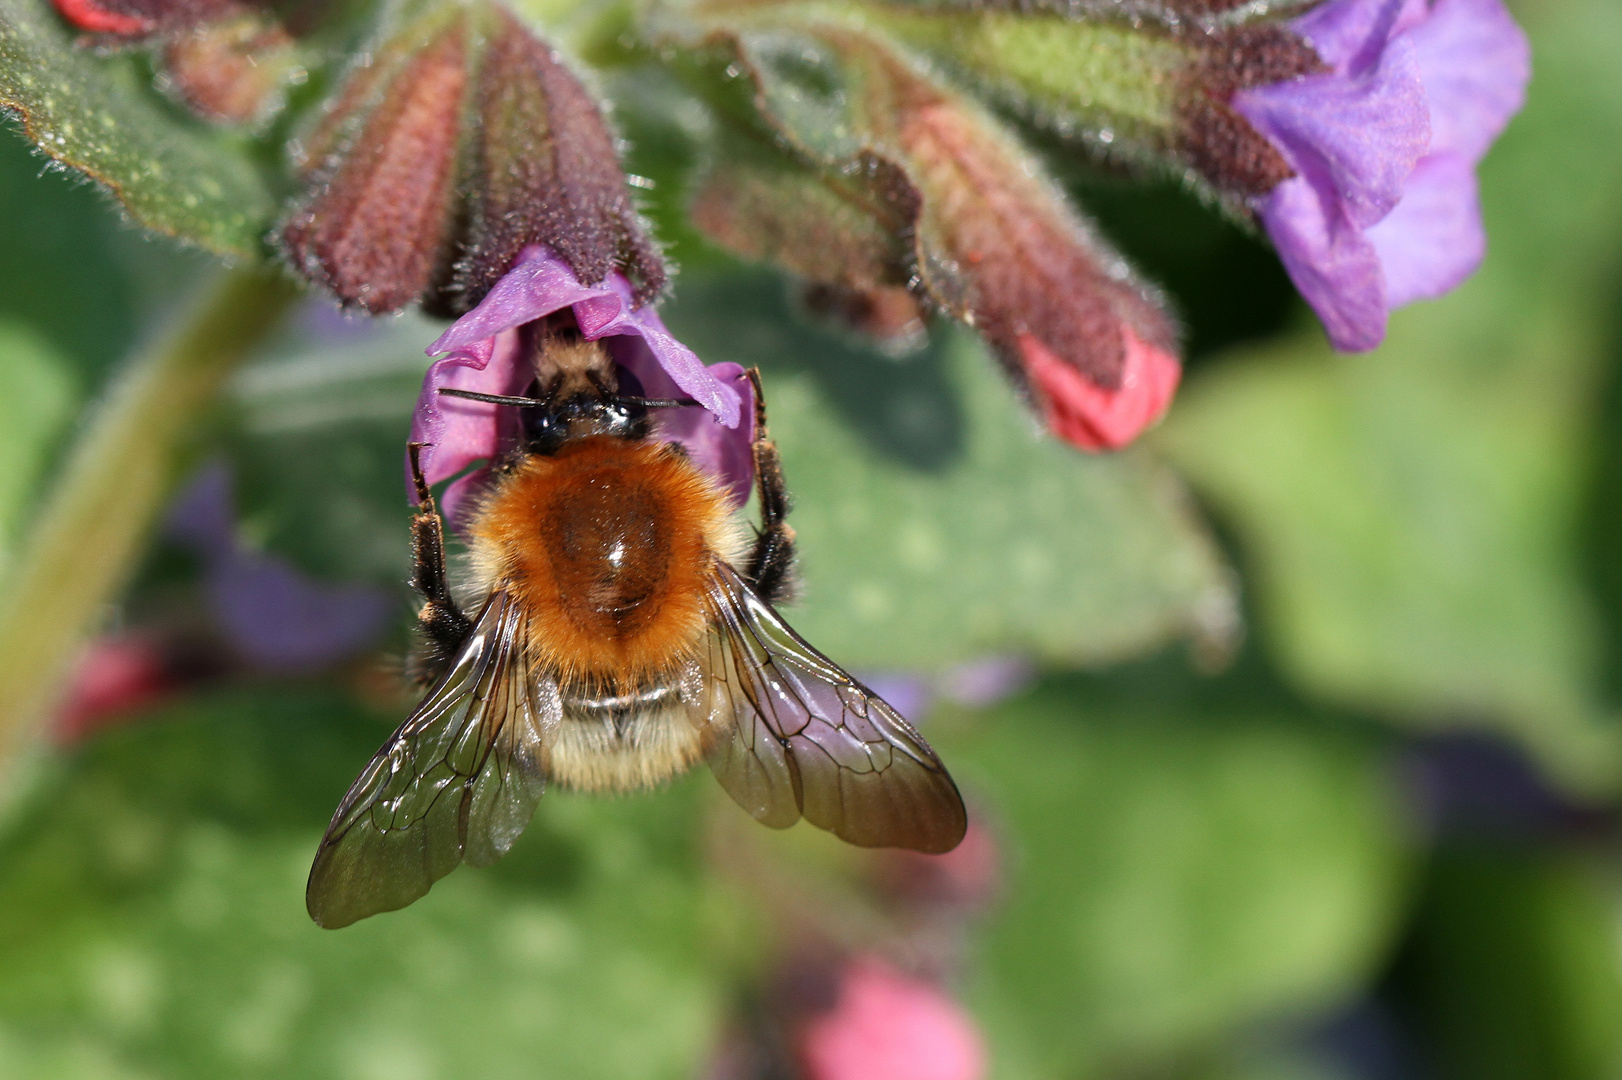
(578, 391)
(565, 413)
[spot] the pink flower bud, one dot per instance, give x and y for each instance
(888, 1026)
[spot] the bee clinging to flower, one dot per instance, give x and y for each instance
(619, 625)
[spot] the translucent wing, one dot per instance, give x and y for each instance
(798, 735)
(459, 780)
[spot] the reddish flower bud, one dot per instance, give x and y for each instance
(889, 314)
(226, 60)
(116, 677)
(545, 171)
(1015, 261)
(850, 246)
(464, 141)
(936, 198)
(143, 18)
(1093, 417)
(889, 1026)
(375, 230)
(96, 17)
(232, 71)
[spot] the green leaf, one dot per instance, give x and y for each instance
(38, 402)
(152, 920)
(1077, 76)
(1511, 972)
(71, 284)
(172, 175)
(1410, 515)
(1181, 870)
(1408, 526)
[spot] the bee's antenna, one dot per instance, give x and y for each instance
(654, 402)
(521, 402)
(493, 399)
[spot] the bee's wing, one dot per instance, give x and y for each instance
(459, 780)
(799, 735)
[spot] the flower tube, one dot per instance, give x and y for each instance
(481, 352)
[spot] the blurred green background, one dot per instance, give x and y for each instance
(1317, 774)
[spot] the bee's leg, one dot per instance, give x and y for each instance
(770, 568)
(440, 622)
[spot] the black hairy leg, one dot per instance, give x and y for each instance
(440, 623)
(770, 570)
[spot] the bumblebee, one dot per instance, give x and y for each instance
(622, 630)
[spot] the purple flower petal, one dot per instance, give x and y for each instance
(1351, 35)
(725, 454)
(273, 614)
(483, 354)
(1475, 63)
(695, 379)
(982, 683)
(200, 517)
(1383, 208)
(910, 695)
(1331, 262)
(456, 432)
(279, 618)
(541, 284)
(1360, 134)
(1433, 240)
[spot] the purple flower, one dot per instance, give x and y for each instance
(274, 615)
(1383, 209)
(482, 353)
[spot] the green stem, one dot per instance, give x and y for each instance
(103, 503)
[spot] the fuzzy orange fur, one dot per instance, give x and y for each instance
(607, 545)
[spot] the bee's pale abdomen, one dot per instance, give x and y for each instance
(624, 740)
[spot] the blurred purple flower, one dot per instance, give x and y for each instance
(274, 615)
(982, 683)
(908, 694)
(974, 684)
(1383, 207)
(1476, 785)
(483, 354)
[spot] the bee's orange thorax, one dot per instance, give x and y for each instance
(608, 546)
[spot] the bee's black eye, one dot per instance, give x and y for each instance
(545, 427)
(544, 430)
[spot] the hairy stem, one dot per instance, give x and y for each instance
(103, 502)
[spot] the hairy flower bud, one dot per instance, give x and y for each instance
(464, 140)
(385, 155)
(887, 1025)
(233, 71)
(900, 182)
(846, 237)
(1154, 91)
